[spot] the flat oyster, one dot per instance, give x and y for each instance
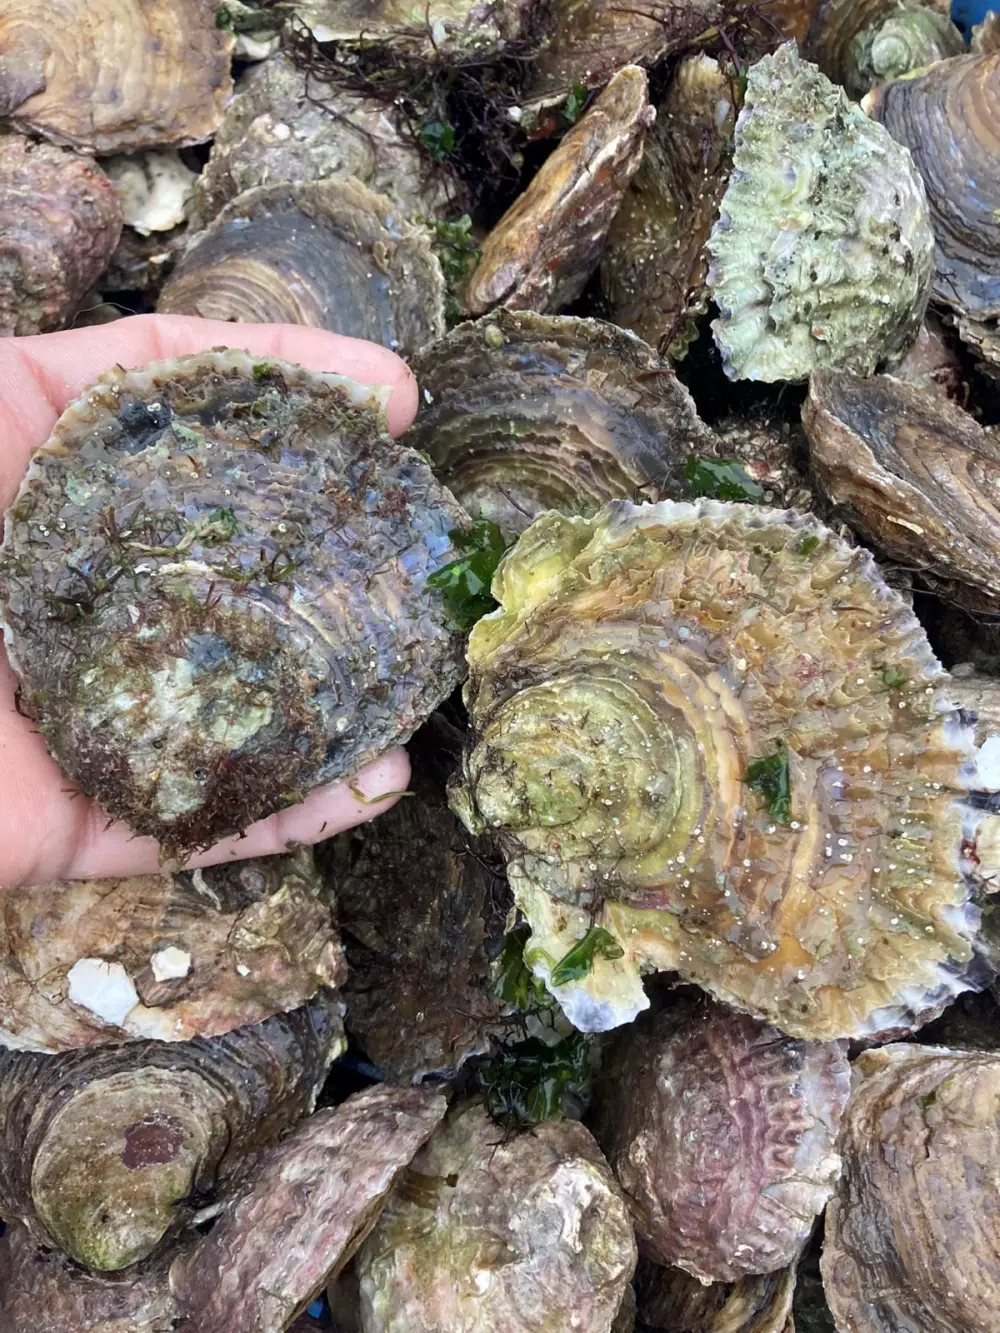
(822, 254)
(712, 740)
(215, 591)
(862, 43)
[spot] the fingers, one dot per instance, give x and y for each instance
(39, 376)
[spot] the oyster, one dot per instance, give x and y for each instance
(672, 1300)
(710, 739)
(330, 254)
(108, 76)
(949, 118)
(914, 475)
(281, 128)
(215, 591)
(106, 1150)
(168, 957)
(59, 225)
(445, 30)
(822, 254)
(932, 363)
(721, 1132)
(862, 43)
(152, 188)
(486, 1232)
(910, 1232)
(548, 243)
(655, 263)
(986, 35)
(309, 1206)
(522, 413)
(774, 454)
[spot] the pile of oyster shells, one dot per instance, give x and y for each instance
(665, 999)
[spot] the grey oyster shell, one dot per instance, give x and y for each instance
(485, 1232)
(521, 413)
(822, 254)
(215, 593)
(330, 254)
(861, 43)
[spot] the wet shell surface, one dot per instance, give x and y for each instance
(823, 252)
(330, 254)
(861, 43)
(215, 593)
(440, 29)
(672, 1300)
(714, 732)
(722, 1134)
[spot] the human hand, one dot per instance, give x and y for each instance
(48, 830)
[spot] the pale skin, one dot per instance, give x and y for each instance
(48, 831)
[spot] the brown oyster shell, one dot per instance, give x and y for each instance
(108, 76)
(672, 1300)
(274, 629)
(287, 127)
(59, 224)
(545, 247)
(910, 1233)
(722, 1134)
(933, 363)
(640, 662)
(108, 1149)
(330, 254)
(142, 263)
(914, 475)
(438, 30)
(655, 262)
(520, 413)
(309, 1206)
(949, 118)
(485, 1232)
(833, 37)
(195, 954)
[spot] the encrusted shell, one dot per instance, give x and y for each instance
(168, 957)
(823, 252)
(722, 1134)
(447, 30)
(330, 254)
(215, 588)
(911, 1232)
(861, 43)
(59, 225)
(108, 76)
(521, 413)
(641, 662)
(485, 1232)
(672, 1300)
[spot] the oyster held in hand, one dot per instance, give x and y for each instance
(215, 587)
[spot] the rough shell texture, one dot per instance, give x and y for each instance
(521, 413)
(283, 127)
(907, 40)
(640, 663)
(330, 254)
(310, 1205)
(215, 586)
(167, 957)
(436, 30)
(487, 1232)
(109, 77)
(911, 1232)
(949, 119)
(655, 263)
(545, 247)
(772, 451)
(153, 189)
(141, 263)
(914, 475)
(822, 254)
(672, 1300)
(721, 1132)
(59, 225)
(109, 1149)
(842, 34)
(933, 363)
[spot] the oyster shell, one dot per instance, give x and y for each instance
(152, 188)
(215, 591)
(548, 243)
(949, 118)
(108, 77)
(142, 263)
(59, 225)
(486, 1232)
(284, 128)
(823, 252)
(721, 1132)
(932, 363)
(168, 957)
(655, 263)
(672, 1300)
(713, 732)
(861, 43)
(986, 35)
(445, 30)
(107, 1149)
(330, 254)
(307, 1209)
(910, 1232)
(914, 475)
(521, 413)
(773, 452)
